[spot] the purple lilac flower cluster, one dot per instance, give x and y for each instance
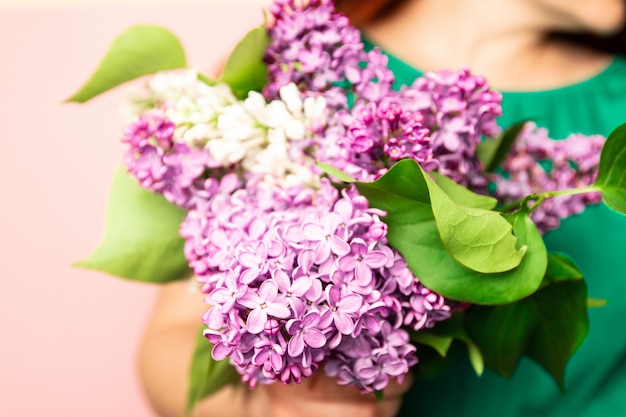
(438, 121)
(314, 47)
(459, 109)
(297, 278)
(539, 164)
(160, 164)
(374, 137)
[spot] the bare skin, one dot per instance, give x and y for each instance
(504, 41)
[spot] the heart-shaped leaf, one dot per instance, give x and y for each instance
(335, 172)
(402, 192)
(440, 343)
(479, 239)
(462, 195)
(245, 70)
(141, 240)
(207, 375)
(611, 180)
(139, 51)
(548, 326)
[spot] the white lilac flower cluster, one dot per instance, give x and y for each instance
(296, 273)
(209, 128)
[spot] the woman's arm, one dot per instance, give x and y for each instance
(165, 356)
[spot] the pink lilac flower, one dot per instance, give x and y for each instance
(253, 258)
(362, 261)
(379, 372)
(438, 121)
(158, 163)
(263, 304)
(304, 332)
(459, 109)
(269, 353)
(226, 296)
(538, 164)
(292, 290)
(286, 318)
(341, 310)
(324, 233)
(316, 35)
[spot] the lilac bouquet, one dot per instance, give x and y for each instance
(333, 222)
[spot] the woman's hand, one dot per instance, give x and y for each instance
(322, 396)
(166, 353)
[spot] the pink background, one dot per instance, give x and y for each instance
(69, 337)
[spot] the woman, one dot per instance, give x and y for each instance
(559, 84)
(567, 87)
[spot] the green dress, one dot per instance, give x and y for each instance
(595, 239)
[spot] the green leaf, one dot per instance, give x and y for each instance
(207, 375)
(501, 333)
(441, 338)
(476, 358)
(402, 192)
(492, 152)
(206, 80)
(479, 239)
(244, 70)
(548, 326)
(596, 302)
(462, 195)
(335, 172)
(560, 268)
(440, 343)
(139, 51)
(141, 240)
(611, 180)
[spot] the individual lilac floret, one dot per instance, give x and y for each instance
(305, 332)
(263, 304)
(538, 164)
(298, 277)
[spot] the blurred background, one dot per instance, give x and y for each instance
(69, 337)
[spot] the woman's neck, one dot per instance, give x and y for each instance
(505, 41)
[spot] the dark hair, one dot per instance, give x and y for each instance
(361, 12)
(614, 44)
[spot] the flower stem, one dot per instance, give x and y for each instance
(548, 194)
